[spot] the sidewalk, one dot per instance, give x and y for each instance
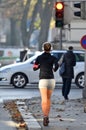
(64, 115)
(5, 120)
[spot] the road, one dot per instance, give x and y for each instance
(7, 93)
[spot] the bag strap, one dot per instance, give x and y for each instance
(61, 59)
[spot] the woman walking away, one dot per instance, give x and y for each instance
(47, 65)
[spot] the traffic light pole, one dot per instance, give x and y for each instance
(60, 42)
(84, 89)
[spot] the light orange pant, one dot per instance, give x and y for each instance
(46, 92)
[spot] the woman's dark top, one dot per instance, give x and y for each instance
(47, 64)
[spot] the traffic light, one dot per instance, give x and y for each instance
(59, 14)
(78, 6)
(81, 9)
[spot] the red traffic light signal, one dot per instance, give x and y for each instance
(59, 14)
(59, 5)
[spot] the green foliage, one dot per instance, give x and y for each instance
(32, 4)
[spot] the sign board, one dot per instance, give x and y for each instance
(83, 42)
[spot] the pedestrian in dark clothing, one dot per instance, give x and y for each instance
(70, 61)
(47, 65)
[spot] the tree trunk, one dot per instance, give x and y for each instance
(24, 24)
(13, 32)
(31, 28)
(45, 23)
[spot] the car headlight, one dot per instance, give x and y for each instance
(5, 70)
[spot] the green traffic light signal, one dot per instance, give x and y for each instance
(58, 23)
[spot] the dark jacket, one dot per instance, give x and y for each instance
(70, 62)
(47, 64)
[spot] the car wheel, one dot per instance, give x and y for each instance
(19, 80)
(80, 82)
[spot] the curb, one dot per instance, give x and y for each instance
(29, 119)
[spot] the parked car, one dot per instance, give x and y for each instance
(20, 74)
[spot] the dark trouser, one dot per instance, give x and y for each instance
(66, 87)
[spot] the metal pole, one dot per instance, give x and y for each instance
(84, 89)
(60, 42)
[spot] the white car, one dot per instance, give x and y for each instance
(20, 74)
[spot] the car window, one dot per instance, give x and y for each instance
(29, 55)
(57, 54)
(33, 61)
(79, 57)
